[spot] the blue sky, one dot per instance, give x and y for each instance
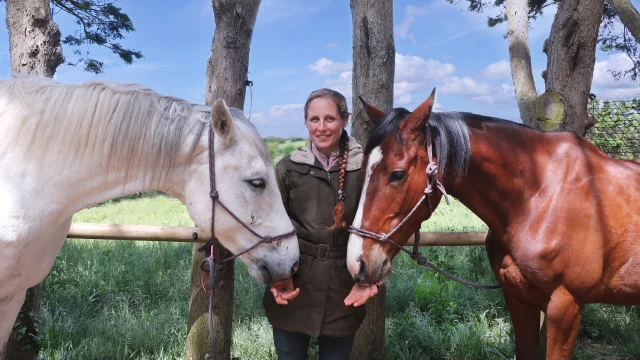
(300, 45)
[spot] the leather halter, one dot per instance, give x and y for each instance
(213, 241)
(432, 181)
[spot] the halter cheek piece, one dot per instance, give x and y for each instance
(432, 182)
(207, 265)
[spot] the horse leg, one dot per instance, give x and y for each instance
(9, 308)
(525, 318)
(563, 321)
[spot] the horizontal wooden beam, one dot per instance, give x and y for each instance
(136, 232)
(450, 239)
(191, 234)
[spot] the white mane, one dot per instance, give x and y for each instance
(40, 117)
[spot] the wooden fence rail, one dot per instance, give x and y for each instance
(193, 234)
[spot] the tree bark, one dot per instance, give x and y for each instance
(34, 48)
(629, 16)
(34, 39)
(373, 61)
(373, 74)
(571, 59)
(226, 77)
(520, 60)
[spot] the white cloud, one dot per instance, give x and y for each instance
(279, 117)
(502, 96)
(414, 68)
(325, 66)
(466, 86)
(403, 99)
(606, 86)
(281, 110)
(498, 96)
(411, 13)
(342, 84)
(499, 70)
(415, 76)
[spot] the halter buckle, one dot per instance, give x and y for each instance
(214, 194)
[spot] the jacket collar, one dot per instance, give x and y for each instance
(305, 156)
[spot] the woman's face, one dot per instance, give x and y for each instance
(324, 124)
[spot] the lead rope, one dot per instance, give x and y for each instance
(210, 261)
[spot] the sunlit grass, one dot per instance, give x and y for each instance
(129, 300)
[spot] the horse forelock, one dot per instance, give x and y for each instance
(450, 132)
(387, 125)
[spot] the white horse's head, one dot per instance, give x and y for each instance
(85, 144)
(246, 182)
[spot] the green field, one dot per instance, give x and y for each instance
(279, 147)
(129, 300)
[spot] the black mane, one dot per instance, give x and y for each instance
(449, 130)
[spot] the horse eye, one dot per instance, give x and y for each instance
(257, 183)
(396, 176)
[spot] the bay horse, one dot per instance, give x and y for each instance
(563, 217)
(65, 147)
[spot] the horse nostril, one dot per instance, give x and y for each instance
(385, 262)
(362, 274)
(294, 268)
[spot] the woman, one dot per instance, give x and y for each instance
(320, 190)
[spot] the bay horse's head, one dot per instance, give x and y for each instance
(395, 179)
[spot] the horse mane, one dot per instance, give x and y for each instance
(451, 135)
(100, 118)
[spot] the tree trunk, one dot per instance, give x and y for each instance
(34, 39)
(373, 73)
(520, 59)
(571, 59)
(34, 48)
(629, 16)
(373, 61)
(226, 77)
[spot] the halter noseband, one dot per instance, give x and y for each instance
(432, 181)
(210, 245)
(215, 197)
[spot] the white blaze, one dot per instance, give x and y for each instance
(354, 249)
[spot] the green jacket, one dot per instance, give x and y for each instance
(309, 194)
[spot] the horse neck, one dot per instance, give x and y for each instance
(93, 181)
(502, 173)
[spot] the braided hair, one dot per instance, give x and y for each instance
(341, 104)
(338, 210)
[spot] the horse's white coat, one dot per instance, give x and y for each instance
(66, 147)
(354, 249)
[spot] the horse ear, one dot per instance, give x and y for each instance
(221, 120)
(420, 116)
(373, 112)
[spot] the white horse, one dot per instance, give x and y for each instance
(66, 147)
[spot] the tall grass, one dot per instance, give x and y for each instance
(129, 300)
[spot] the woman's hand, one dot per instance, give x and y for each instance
(360, 294)
(283, 291)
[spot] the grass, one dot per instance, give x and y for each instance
(129, 300)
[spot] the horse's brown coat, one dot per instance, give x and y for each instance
(564, 220)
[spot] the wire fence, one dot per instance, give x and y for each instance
(617, 130)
